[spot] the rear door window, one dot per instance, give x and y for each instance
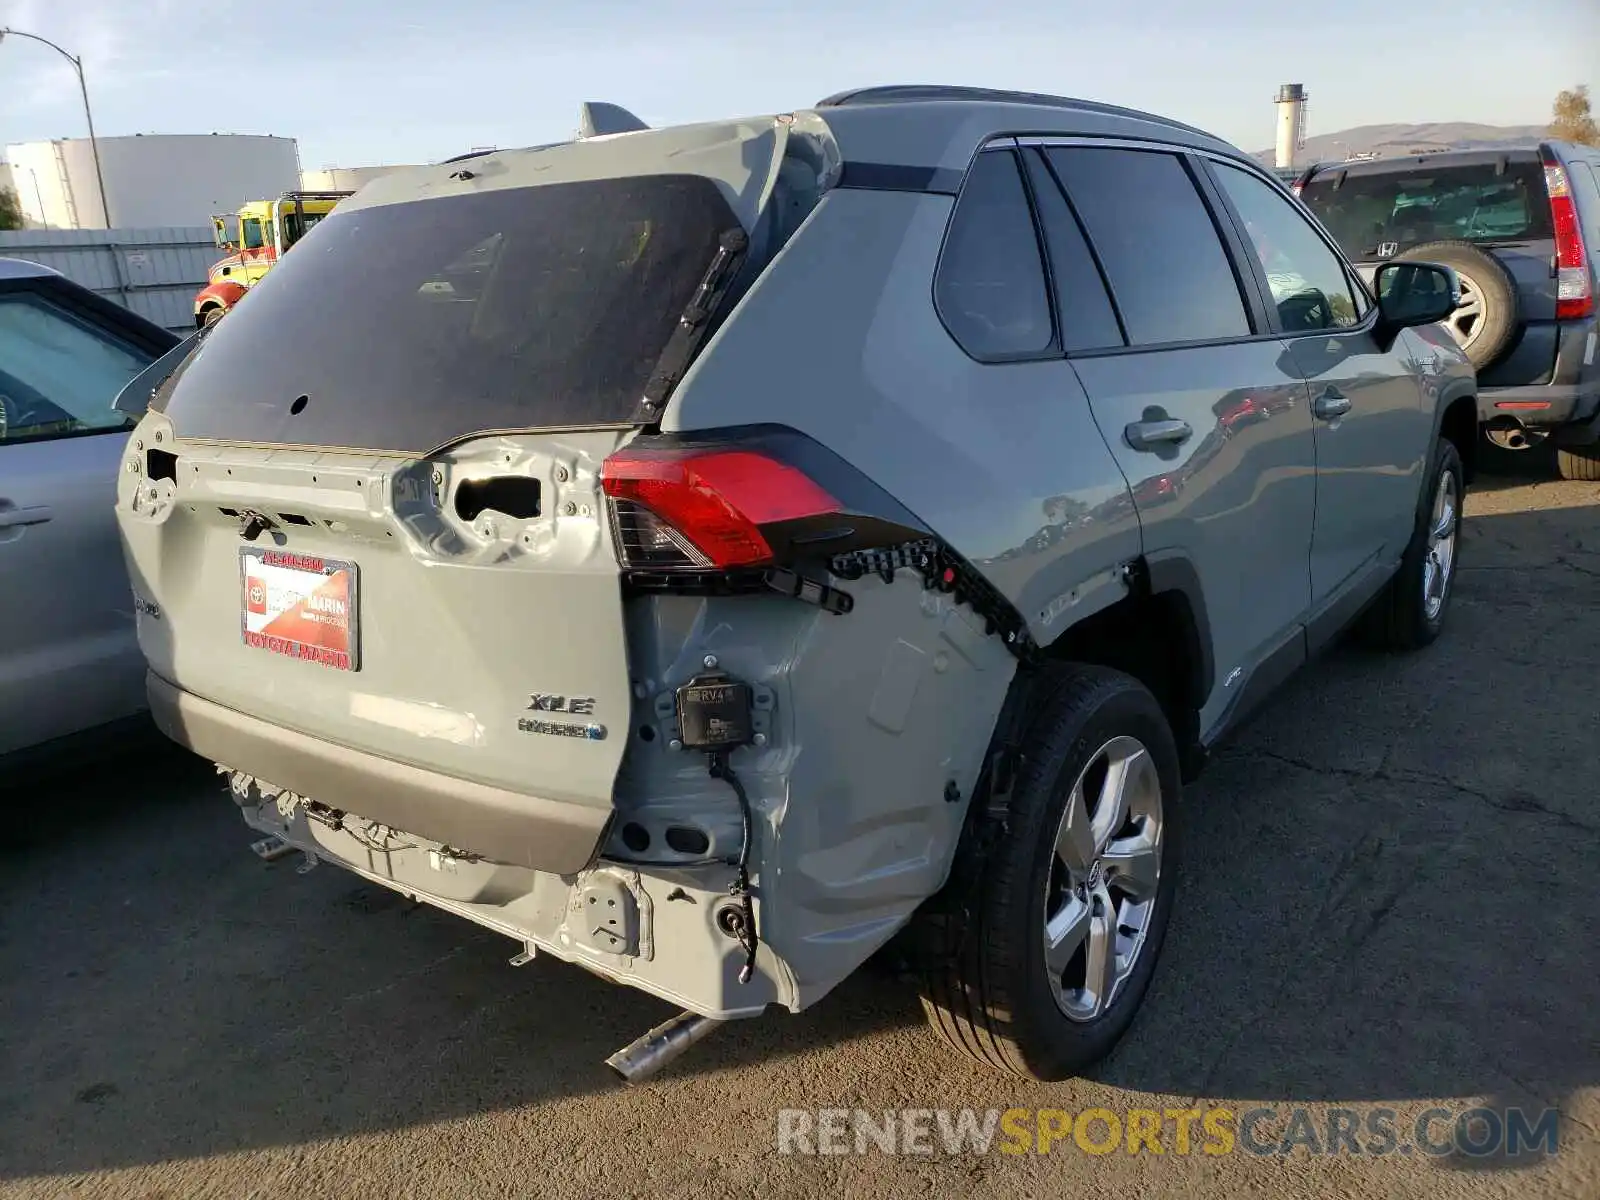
(1309, 286)
(407, 327)
(1164, 259)
(1380, 214)
(990, 286)
(1088, 322)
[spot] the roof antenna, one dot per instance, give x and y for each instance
(597, 118)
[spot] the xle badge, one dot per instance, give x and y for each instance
(547, 702)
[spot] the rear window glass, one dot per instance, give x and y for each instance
(410, 326)
(1369, 214)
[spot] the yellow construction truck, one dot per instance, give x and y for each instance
(253, 239)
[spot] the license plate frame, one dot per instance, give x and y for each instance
(324, 626)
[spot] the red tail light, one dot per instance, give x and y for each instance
(1574, 286)
(704, 509)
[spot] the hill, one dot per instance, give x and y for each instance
(1388, 141)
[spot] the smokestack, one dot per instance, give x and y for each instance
(1291, 102)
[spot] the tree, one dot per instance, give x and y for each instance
(10, 210)
(1572, 120)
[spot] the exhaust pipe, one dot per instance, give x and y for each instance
(642, 1058)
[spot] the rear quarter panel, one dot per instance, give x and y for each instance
(840, 339)
(887, 705)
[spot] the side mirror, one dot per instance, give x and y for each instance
(1415, 293)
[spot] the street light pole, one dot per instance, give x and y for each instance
(88, 114)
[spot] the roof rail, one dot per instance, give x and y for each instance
(911, 93)
(482, 150)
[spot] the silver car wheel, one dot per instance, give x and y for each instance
(1104, 876)
(1441, 560)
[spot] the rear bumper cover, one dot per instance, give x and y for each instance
(1559, 404)
(500, 825)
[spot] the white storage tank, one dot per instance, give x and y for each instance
(150, 179)
(344, 179)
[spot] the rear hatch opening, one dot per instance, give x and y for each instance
(376, 520)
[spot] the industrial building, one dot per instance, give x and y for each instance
(1291, 104)
(150, 179)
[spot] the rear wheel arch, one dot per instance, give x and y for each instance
(1160, 635)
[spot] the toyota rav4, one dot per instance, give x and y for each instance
(708, 552)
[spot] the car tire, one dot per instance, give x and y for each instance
(1579, 464)
(1405, 616)
(211, 317)
(991, 988)
(1495, 324)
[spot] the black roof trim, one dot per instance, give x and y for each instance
(913, 93)
(895, 177)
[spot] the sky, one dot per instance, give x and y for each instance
(362, 82)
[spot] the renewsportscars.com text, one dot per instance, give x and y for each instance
(1371, 1130)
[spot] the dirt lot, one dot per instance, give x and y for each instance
(1392, 881)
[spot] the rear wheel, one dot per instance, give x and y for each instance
(211, 316)
(1579, 463)
(1067, 915)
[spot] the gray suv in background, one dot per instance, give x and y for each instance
(707, 552)
(1522, 230)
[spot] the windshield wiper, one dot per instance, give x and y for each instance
(695, 321)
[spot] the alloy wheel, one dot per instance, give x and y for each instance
(1466, 323)
(1104, 876)
(1441, 561)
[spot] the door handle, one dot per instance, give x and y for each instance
(1147, 435)
(14, 518)
(1330, 405)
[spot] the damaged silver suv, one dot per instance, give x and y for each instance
(703, 553)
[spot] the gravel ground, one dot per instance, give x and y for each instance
(1390, 897)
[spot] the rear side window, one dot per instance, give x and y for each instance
(1378, 215)
(410, 326)
(989, 288)
(1088, 321)
(1164, 259)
